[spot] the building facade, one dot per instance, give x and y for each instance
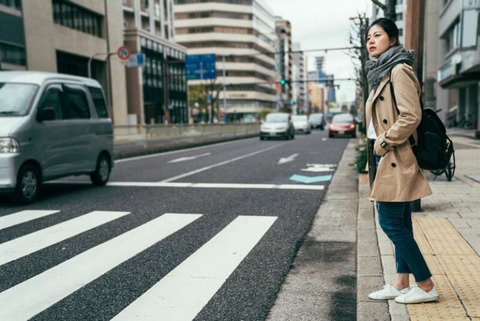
(157, 93)
(242, 36)
(299, 88)
(82, 37)
(459, 62)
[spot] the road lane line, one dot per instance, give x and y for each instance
(182, 293)
(31, 297)
(219, 164)
(218, 185)
(22, 246)
(22, 217)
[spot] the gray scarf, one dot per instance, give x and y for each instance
(378, 68)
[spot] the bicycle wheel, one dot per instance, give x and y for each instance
(450, 170)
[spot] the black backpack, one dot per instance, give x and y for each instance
(434, 148)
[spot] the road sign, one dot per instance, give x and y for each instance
(136, 60)
(200, 67)
(123, 52)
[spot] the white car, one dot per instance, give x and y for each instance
(277, 125)
(301, 124)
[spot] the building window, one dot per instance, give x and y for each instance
(12, 3)
(78, 18)
(452, 37)
(12, 54)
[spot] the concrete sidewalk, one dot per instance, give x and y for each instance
(447, 230)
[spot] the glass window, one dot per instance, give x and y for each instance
(52, 99)
(99, 102)
(15, 99)
(72, 16)
(77, 107)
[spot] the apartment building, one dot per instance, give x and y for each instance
(459, 62)
(242, 36)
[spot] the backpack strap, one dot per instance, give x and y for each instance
(410, 139)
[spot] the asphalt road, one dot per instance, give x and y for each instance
(200, 234)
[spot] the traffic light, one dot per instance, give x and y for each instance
(283, 82)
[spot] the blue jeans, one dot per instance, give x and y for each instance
(395, 218)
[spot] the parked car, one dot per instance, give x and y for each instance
(51, 126)
(342, 124)
(317, 120)
(301, 124)
(277, 125)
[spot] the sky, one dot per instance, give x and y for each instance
(323, 24)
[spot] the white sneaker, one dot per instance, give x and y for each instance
(388, 292)
(417, 295)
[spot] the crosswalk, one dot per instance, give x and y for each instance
(180, 295)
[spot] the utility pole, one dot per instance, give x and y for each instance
(414, 23)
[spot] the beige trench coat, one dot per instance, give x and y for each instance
(398, 177)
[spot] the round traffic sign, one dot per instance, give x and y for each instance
(123, 52)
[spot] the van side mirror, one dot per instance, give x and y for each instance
(47, 113)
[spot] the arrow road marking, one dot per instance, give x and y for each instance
(320, 168)
(308, 179)
(182, 159)
(287, 159)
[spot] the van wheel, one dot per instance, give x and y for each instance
(101, 174)
(28, 185)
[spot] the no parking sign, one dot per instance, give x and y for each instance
(123, 52)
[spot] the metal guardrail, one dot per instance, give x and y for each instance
(145, 139)
(126, 134)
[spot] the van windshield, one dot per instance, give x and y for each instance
(15, 99)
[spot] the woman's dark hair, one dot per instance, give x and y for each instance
(388, 25)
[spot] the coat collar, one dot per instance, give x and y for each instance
(382, 84)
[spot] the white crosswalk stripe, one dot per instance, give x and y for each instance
(30, 243)
(181, 294)
(178, 296)
(22, 217)
(31, 297)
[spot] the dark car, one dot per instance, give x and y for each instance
(277, 125)
(342, 125)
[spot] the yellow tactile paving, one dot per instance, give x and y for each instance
(456, 272)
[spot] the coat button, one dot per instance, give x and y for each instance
(385, 121)
(381, 98)
(394, 165)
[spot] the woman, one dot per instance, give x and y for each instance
(393, 112)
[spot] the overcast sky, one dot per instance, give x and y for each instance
(323, 24)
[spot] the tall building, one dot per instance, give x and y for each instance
(83, 38)
(284, 34)
(242, 36)
(459, 61)
(157, 93)
(72, 37)
(299, 88)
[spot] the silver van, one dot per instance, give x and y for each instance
(51, 126)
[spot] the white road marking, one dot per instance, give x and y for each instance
(22, 217)
(290, 158)
(31, 297)
(183, 159)
(217, 185)
(219, 164)
(22, 246)
(182, 293)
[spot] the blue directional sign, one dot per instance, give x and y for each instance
(200, 67)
